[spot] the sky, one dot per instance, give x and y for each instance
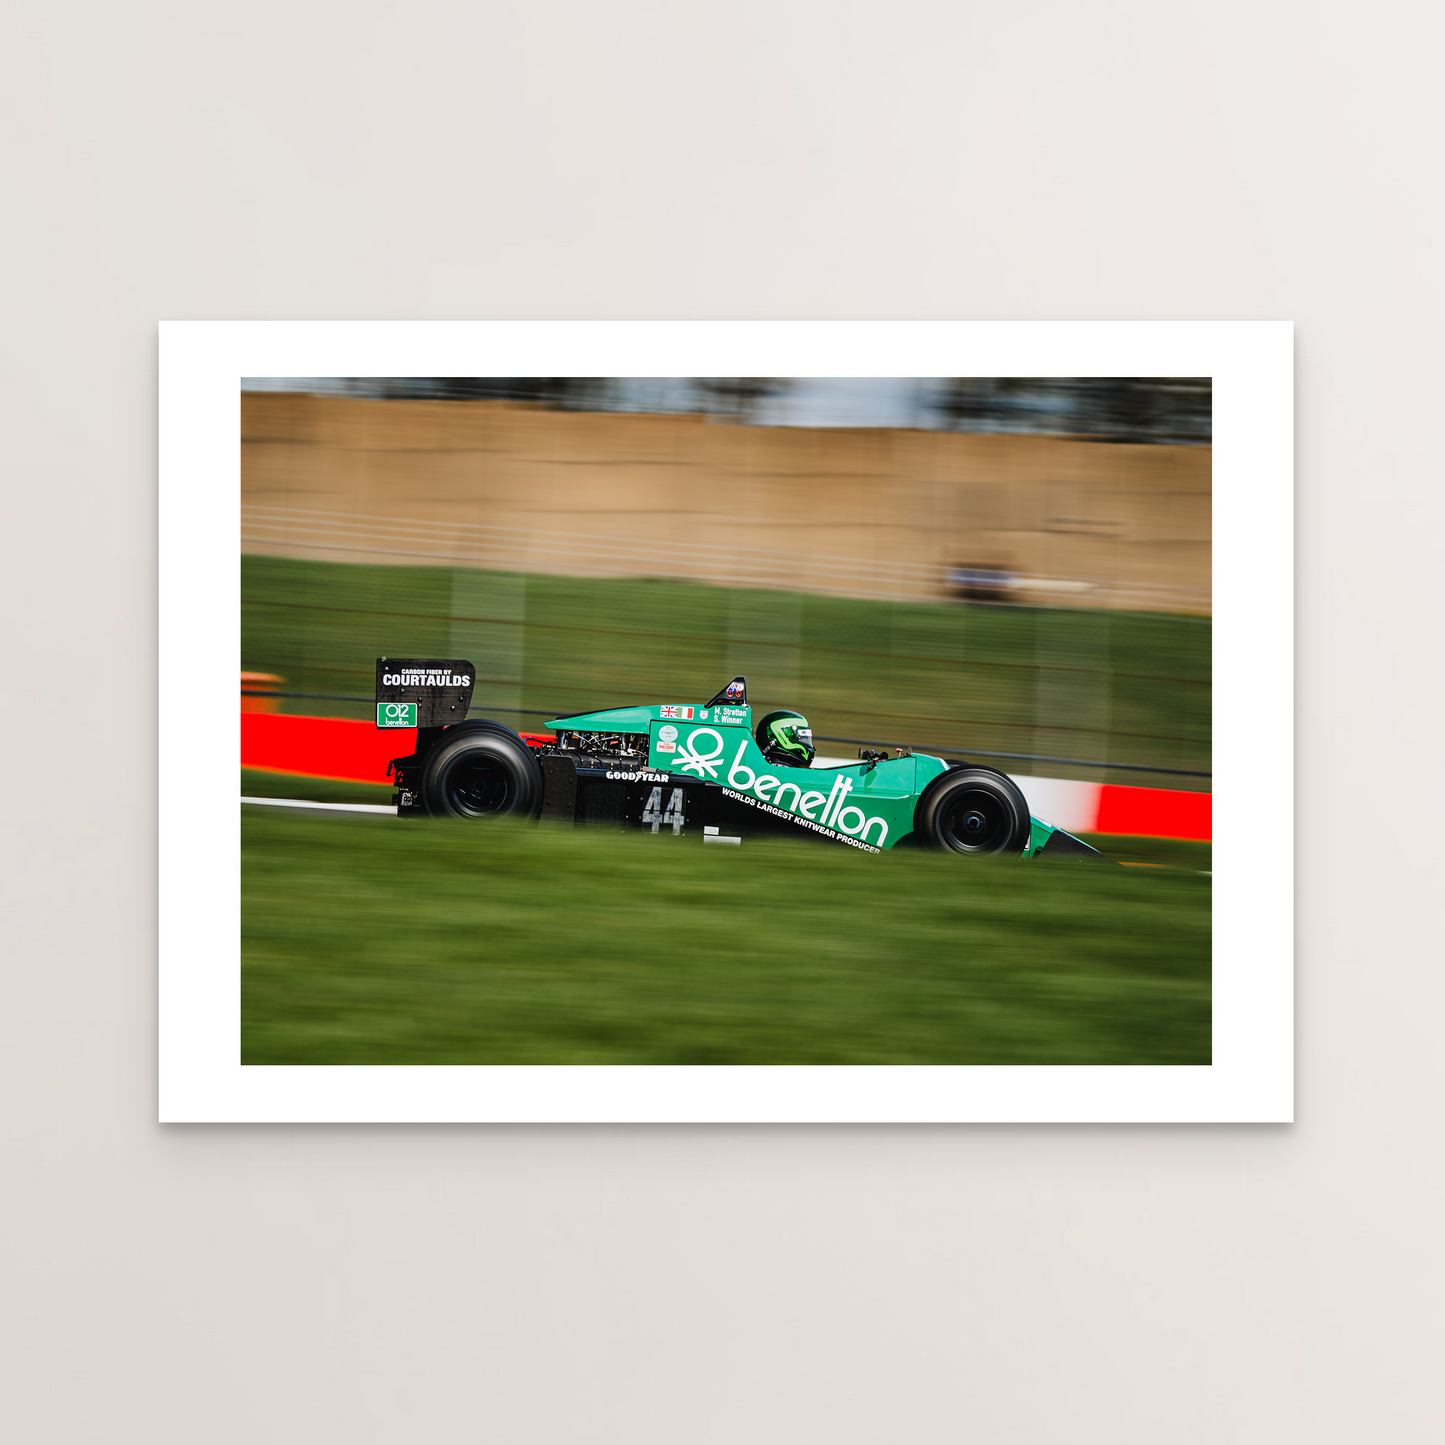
(809, 401)
(1140, 410)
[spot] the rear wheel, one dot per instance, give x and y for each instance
(972, 810)
(481, 770)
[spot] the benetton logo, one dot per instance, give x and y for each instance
(837, 813)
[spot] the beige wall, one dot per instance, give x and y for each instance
(865, 512)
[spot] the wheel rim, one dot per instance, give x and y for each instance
(977, 821)
(479, 786)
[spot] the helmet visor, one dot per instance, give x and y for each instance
(794, 738)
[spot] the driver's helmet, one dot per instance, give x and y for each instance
(786, 739)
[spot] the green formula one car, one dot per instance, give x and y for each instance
(698, 771)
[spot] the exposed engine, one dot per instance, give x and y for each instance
(601, 749)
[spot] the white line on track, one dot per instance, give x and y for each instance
(328, 807)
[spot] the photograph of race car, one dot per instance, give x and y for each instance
(570, 708)
(703, 772)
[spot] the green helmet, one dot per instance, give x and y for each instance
(786, 739)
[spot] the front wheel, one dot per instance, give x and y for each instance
(481, 770)
(972, 810)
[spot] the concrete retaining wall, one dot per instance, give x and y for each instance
(860, 512)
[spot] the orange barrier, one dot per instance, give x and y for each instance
(254, 686)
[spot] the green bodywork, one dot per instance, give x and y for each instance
(865, 802)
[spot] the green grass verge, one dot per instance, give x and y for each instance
(1115, 686)
(367, 941)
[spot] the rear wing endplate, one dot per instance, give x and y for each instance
(422, 692)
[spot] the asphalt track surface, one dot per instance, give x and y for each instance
(386, 808)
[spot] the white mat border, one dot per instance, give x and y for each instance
(1251, 1078)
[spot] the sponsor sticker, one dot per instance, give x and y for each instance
(429, 677)
(802, 807)
(735, 690)
(804, 822)
(396, 714)
(694, 759)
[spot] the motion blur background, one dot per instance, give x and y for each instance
(1015, 568)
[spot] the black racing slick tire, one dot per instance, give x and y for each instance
(972, 810)
(481, 770)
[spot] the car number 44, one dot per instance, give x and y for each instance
(673, 816)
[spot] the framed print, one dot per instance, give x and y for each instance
(726, 722)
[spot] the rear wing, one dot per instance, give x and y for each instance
(422, 692)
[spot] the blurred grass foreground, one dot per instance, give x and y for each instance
(368, 941)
